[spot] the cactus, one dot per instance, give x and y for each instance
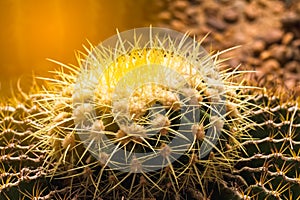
(142, 118)
(196, 135)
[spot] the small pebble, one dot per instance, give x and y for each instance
(289, 53)
(165, 16)
(270, 65)
(277, 7)
(180, 5)
(192, 11)
(293, 66)
(216, 23)
(278, 52)
(258, 46)
(254, 61)
(177, 25)
(296, 43)
(250, 12)
(265, 55)
(211, 9)
(273, 36)
(230, 15)
(181, 16)
(287, 38)
(239, 38)
(290, 83)
(262, 3)
(290, 19)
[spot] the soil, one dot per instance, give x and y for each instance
(268, 32)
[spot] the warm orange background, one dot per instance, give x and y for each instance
(33, 30)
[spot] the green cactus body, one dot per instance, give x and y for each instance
(271, 166)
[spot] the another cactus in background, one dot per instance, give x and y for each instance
(271, 168)
(21, 164)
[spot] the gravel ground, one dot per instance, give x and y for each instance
(267, 30)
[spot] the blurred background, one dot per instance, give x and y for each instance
(267, 31)
(34, 30)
